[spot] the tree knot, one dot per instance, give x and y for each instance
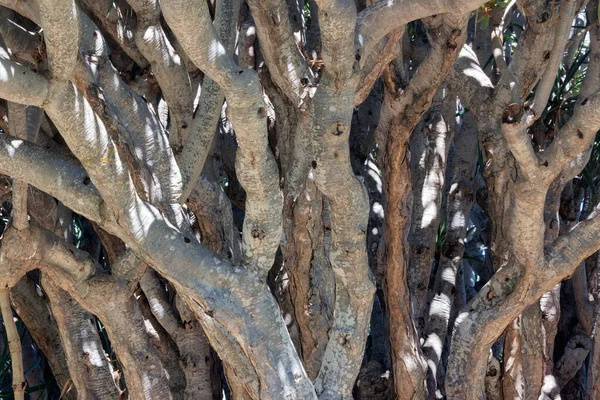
(512, 114)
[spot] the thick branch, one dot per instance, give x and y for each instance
(287, 65)
(383, 16)
(18, 84)
(61, 34)
(573, 138)
(167, 66)
(55, 174)
(206, 117)
(114, 24)
(255, 165)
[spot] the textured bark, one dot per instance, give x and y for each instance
(428, 186)
(271, 246)
(34, 311)
(408, 362)
(194, 351)
(309, 274)
(88, 365)
(457, 210)
(14, 344)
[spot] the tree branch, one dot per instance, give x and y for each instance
(389, 48)
(167, 66)
(574, 137)
(514, 128)
(56, 174)
(287, 65)
(206, 116)
(135, 120)
(337, 49)
(561, 36)
(17, 122)
(20, 85)
(61, 34)
(376, 21)
(255, 165)
(115, 26)
(14, 344)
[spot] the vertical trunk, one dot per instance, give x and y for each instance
(349, 212)
(34, 311)
(143, 371)
(310, 277)
(408, 363)
(513, 386)
(426, 218)
(493, 380)
(166, 350)
(88, 367)
(194, 350)
(34, 364)
(533, 349)
(458, 207)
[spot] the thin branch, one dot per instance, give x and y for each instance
(14, 344)
(17, 123)
(535, 44)
(563, 29)
(34, 311)
(580, 35)
(498, 21)
(514, 128)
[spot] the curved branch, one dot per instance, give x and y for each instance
(376, 21)
(135, 120)
(53, 173)
(573, 138)
(255, 164)
(388, 49)
(118, 30)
